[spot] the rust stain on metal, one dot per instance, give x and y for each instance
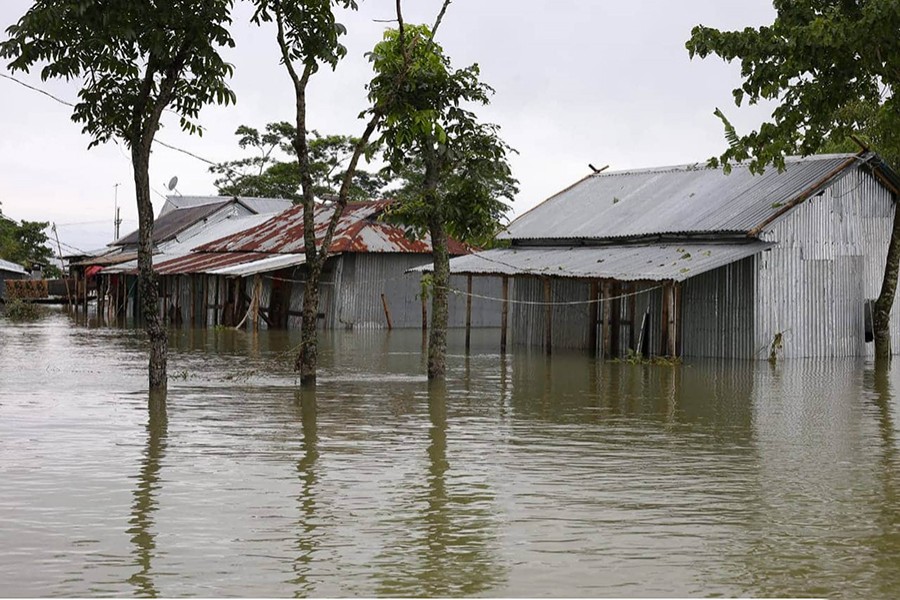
(358, 230)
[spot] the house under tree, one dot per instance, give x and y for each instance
(690, 261)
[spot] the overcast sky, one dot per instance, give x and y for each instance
(577, 81)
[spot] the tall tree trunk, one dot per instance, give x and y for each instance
(307, 359)
(437, 341)
(149, 292)
(881, 320)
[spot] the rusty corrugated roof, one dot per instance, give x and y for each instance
(357, 231)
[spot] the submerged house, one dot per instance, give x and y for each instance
(260, 272)
(183, 223)
(689, 261)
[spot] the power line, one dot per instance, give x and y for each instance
(67, 103)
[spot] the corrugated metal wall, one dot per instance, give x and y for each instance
(571, 313)
(717, 310)
(363, 278)
(812, 287)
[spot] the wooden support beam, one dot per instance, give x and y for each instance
(548, 316)
(468, 312)
(664, 320)
(504, 315)
(615, 321)
(219, 303)
(593, 316)
(387, 313)
(204, 304)
(607, 312)
(193, 300)
(676, 320)
(632, 315)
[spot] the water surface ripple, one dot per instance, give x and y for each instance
(521, 476)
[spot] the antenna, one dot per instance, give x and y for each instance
(172, 183)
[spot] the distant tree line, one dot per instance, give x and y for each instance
(25, 243)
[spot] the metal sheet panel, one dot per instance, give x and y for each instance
(168, 225)
(357, 231)
(259, 265)
(11, 267)
(627, 262)
(672, 200)
(812, 285)
(717, 311)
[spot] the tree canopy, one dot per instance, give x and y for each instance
(454, 167)
(272, 170)
(25, 243)
(133, 61)
(832, 67)
(430, 133)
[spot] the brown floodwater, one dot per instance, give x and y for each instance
(521, 476)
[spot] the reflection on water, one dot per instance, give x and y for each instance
(522, 475)
(307, 537)
(144, 505)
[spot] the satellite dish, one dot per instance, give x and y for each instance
(172, 183)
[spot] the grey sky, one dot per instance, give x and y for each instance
(577, 82)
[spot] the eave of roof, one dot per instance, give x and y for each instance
(631, 262)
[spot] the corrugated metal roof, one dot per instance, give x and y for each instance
(257, 205)
(674, 200)
(12, 267)
(626, 262)
(116, 257)
(205, 262)
(178, 248)
(167, 226)
(357, 231)
(262, 265)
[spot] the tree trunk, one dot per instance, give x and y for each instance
(307, 359)
(149, 292)
(881, 320)
(437, 341)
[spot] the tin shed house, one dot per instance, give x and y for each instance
(260, 272)
(691, 261)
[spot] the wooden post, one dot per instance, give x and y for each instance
(676, 320)
(387, 312)
(664, 320)
(593, 318)
(255, 302)
(632, 314)
(193, 300)
(548, 316)
(504, 314)
(218, 304)
(607, 312)
(468, 311)
(204, 286)
(616, 321)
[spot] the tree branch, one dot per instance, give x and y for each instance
(346, 183)
(440, 17)
(400, 28)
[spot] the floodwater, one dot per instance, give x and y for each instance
(522, 476)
